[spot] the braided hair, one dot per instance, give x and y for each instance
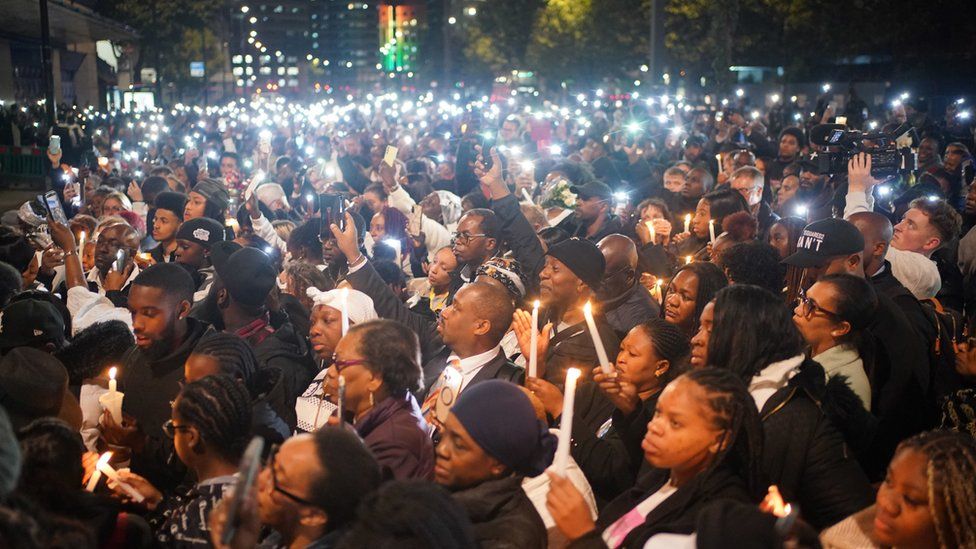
(234, 354)
(735, 413)
(220, 408)
(950, 469)
(670, 344)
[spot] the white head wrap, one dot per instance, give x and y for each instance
(359, 306)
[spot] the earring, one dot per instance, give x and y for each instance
(371, 402)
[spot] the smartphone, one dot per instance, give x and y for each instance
(390, 156)
(120, 259)
(332, 209)
(53, 205)
(415, 222)
(249, 468)
(255, 181)
(54, 145)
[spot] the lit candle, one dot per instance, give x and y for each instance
(81, 244)
(687, 259)
(534, 341)
(711, 230)
(650, 229)
(97, 474)
(344, 309)
(112, 400)
(687, 223)
(113, 475)
(566, 422)
(601, 353)
(659, 285)
(718, 160)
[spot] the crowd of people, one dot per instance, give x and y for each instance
(613, 322)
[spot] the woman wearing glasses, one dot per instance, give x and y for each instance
(832, 317)
(749, 331)
(210, 427)
(380, 363)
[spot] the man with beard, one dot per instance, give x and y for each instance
(110, 240)
(594, 217)
(816, 192)
(625, 302)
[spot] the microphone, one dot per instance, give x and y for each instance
(828, 135)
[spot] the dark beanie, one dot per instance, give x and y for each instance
(32, 385)
(795, 132)
(501, 420)
(583, 258)
(220, 252)
(202, 230)
(170, 201)
(248, 275)
(214, 191)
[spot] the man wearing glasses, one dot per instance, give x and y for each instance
(475, 240)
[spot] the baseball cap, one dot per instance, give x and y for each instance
(592, 188)
(825, 239)
(202, 230)
(248, 275)
(583, 258)
(33, 384)
(30, 322)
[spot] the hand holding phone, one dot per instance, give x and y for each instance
(54, 145)
(414, 224)
(249, 468)
(53, 206)
(390, 156)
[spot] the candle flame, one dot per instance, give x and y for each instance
(587, 309)
(102, 461)
(535, 304)
(687, 259)
(659, 283)
(687, 218)
(572, 374)
(82, 235)
(112, 372)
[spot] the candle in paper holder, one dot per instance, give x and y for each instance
(112, 400)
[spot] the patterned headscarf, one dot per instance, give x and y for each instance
(450, 207)
(506, 271)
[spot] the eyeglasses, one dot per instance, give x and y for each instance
(810, 307)
(170, 428)
(465, 238)
(272, 461)
(341, 365)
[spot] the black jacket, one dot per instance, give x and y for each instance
(289, 352)
(502, 515)
(633, 307)
(522, 239)
(675, 515)
(499, 368)
(805, 456)
(269, 407)
(573, 348)
(151, 385)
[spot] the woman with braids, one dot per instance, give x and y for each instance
(704, 444)
(749, 331)
(651, 355)
(689, 290)
(272, 416)
(926, 500)
(210, 427)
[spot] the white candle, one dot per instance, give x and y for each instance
(650, 229)
(711, 230)
(109, 472)
(97, 474)
(344, 309)
(81, 245)
(687, 223)
(534, 341)
(601, 353)
(659, 285)
(566, 422)
(112, 400)
(718, 160)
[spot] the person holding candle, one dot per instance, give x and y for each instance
(210, 427)
(378, 360)
(483, 457)
(241, 287)
(713, 207)
(690, 289)
(572, 274)
(704, 442)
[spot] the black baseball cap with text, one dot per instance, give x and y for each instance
(823, 240)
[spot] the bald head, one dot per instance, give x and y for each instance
(619, 251)
(877, 232)
(492, 303)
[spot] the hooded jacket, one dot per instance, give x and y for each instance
(502, 515)
(289, 352)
